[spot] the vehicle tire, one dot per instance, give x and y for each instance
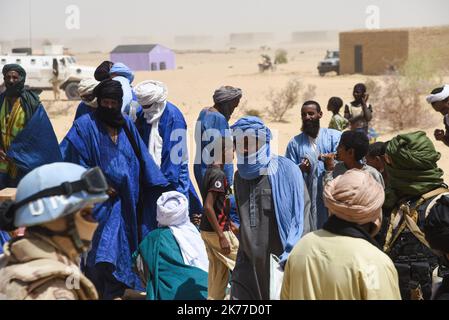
(71, 91)
(322, 74)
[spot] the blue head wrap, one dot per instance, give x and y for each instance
(122, 70)
(255, 164)
(285, 178)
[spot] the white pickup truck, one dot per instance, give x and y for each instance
(40, 68)
(330, 63)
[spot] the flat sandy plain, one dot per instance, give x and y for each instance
(198, 74)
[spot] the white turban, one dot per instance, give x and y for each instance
(172, 209)
(437, 97)
(86, 86)
(153, 93)
(173, 212)
(150, 91)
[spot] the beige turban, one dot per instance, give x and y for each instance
(86, 86)
(355, 197)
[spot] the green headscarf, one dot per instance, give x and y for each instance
(29, 100)
(414, 170)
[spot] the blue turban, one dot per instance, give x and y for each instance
(122, 70)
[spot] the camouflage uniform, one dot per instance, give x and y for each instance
(32, 268)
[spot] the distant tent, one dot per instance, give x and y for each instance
(144, 57)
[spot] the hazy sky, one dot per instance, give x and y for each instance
(121, 18)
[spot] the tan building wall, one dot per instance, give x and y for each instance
(380, 49)
(431, 41)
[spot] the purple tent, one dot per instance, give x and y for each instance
(144, 57)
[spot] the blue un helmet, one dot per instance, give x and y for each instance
(56, 190)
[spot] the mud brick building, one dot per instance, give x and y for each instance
(373, 52)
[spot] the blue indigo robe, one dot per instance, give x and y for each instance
(300, 148)
(172, 128)
(116, 238)
(4, 237)
(33, 147)
(82, 109)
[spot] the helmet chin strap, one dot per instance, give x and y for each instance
(74, 234)
(71, 232)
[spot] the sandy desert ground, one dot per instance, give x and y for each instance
(198, 74)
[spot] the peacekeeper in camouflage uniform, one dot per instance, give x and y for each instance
(54, 202)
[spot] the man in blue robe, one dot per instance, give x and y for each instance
(163, 127)
(213, 123)
(27, 139)
(305, 150)
(109, 140)
(269, 192)
(121, 73)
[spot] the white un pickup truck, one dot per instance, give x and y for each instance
(40, 72)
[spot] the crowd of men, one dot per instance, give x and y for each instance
(113, 205)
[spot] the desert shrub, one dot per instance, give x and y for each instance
(241, 109)
(283, 100)
(280, 57)
(398, 97)
(254, 113)
(244, 110)
(310, 93)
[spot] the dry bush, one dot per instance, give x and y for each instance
(310, 93)
(254, 113)
(398, 97)
(280, 56)
(241, 109)
(283, 100)
(244, 110)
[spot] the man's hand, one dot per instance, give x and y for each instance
(111, 192)
(329, 161)
(234, 228)
(365, 98)
(224, 245)
(439, 134)
(305, 165)
(196, 219)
